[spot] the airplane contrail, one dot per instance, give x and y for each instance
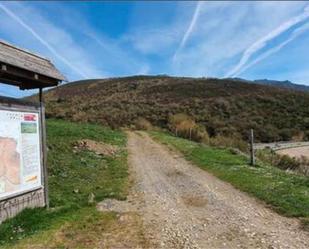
(42, 40)
(261, 43)
(189, 30)
(271, 51)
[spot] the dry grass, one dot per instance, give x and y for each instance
(92, 230)
(223, 107)
(143, 124)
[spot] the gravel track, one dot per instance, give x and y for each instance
(183, 206)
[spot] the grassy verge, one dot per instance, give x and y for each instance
(287, 193)
(72, 177)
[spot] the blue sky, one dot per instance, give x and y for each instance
(251, 40)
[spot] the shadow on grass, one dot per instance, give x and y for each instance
(29, 221)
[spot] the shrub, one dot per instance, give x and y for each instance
(182, 125)
(79, 116)
(298, 136)
(200, 134)
(143, 124)
(285, 162)
(185, 126)
(229, 142)
(304, 165)
(300, 165)
(286, 134)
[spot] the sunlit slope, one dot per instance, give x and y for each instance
(222, 106)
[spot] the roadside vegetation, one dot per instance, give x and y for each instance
(286, 193)
(184, 126)
(77, 179)
(284, 162)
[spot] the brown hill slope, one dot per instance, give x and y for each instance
(222, 106)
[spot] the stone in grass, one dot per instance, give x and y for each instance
(91, 198)
(76, 191)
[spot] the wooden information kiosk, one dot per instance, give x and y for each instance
(23, 167)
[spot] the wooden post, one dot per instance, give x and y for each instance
(252, 156)
(44, 151)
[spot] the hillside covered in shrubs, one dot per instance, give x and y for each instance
(211, 106)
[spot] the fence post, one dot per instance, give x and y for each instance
(252, 156)
(44, 149)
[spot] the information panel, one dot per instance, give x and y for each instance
(20, 152)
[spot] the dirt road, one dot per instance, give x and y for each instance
(183, 206)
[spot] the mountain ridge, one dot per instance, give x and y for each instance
(277, 83)
(268, 82)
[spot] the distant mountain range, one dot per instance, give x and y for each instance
(285, 83)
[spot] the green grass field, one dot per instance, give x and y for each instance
(72, 177)
(73, 223)
(286, 193)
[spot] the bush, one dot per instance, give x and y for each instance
(285, 162)
(184, 126)
(300, 165)
(298, 136)
(143, 124)
(304, 165)
(286, 134)
(181, 124)
(229, 142)
(200, 134)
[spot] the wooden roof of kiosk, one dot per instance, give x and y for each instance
(26, 70)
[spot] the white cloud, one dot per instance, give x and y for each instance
(297, 32)
(41, 39)
(118, 57)
(91, 55)
(111, 54)
(226, 29)
(43, 36)
(156, 29)
(189, 30)
(262, 42)
(153, 41)
(205, 39)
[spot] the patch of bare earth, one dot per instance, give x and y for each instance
(123, 232)
(194, 201)
(182, 206)
(129, 233)
(97, 147)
